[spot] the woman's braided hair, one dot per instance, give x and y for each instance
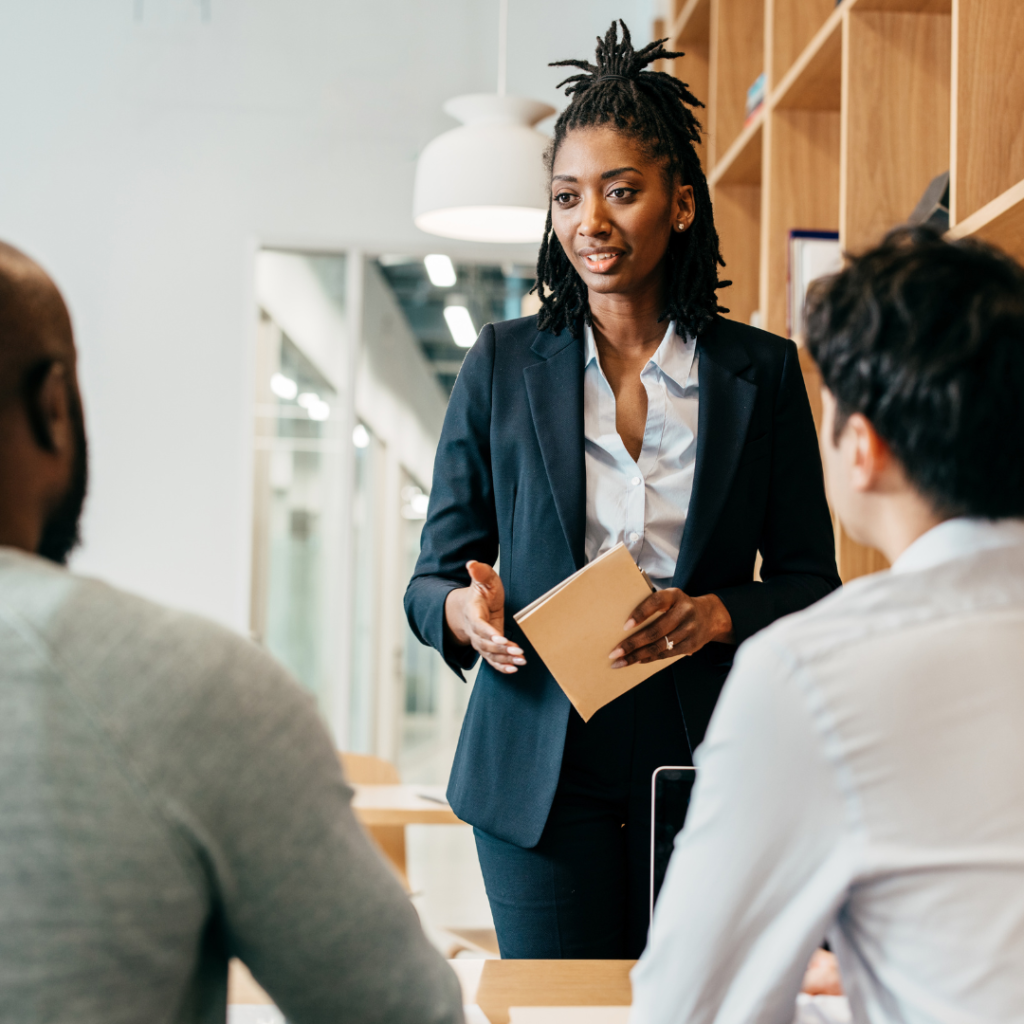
(654, 109)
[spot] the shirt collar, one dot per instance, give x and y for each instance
(674, 356)
(958, 538)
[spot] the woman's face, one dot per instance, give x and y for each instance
(614, 211)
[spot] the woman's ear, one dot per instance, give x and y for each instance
(684, 208)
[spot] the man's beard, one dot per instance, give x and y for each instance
(60, 534)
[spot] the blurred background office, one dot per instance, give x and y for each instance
(224, 192)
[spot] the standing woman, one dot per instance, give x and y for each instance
(626, 410)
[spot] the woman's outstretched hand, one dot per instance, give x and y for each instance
(476, 618)
(688, 622)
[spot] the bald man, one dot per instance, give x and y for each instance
(168, 797)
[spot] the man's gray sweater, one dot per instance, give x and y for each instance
(169, 799)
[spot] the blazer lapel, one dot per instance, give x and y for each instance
(555, 391)
(726, 401)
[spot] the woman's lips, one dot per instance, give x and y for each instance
(602, 262)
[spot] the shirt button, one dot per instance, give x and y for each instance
(634, 537)
(635, 481)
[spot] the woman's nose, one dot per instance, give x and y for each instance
(593, 219)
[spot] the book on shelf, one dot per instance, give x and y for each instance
(755, 97)
(812, 254)
(578, 623)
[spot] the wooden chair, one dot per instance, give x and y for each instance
(367, 770)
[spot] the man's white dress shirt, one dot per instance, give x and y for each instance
(642, 502)
(862, 776)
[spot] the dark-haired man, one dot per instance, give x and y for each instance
(168, 797)
(863, 775)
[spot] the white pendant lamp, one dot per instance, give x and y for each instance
(485, 180)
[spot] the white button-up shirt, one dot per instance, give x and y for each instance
(643, 502)
(862, 776)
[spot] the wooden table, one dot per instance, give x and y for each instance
(495, 985)
(402, 805)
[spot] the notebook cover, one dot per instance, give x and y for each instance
(574, 626)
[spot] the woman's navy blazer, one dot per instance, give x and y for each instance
(509, 481)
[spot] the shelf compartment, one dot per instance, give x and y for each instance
(988, 97)
(742, 164)
(896, 117)
(1000, 222)
(738, 221)
(692, 21)
(692, 37)
(790, 26)
(801, 190)
(736, 35)
(814, 81)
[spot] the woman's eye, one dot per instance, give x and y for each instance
(564, 197)
(622, 193)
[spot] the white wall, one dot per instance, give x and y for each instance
(146, 154)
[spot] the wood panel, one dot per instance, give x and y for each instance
(738, 220)
(681, 8)
(505, 983)
(868, 101)
(790, 25)
(693, 69)
(737, 57)
(1000, 222)
(988, 151)
(896, 118)
(801, 191)
(741, 165)
(815, 80)
(855, 559)
(911, 6)
(693, 20)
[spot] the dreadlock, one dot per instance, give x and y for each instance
(654, 109)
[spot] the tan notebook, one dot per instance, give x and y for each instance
(574, 627)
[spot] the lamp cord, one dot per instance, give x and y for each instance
(502, 46)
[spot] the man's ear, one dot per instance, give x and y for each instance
(870, 457)
(47, 407)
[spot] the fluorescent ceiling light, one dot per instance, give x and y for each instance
(318, 410)
(460, 323)
(284, 387)
(439, 270)
(308, 399)
(360, 436)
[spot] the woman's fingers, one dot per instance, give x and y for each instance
(499, 652)
(657, 602)
(676, 624)
(658, 649)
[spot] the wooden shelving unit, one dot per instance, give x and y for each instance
(867, 101)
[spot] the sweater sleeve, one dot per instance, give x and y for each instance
(306, 901)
